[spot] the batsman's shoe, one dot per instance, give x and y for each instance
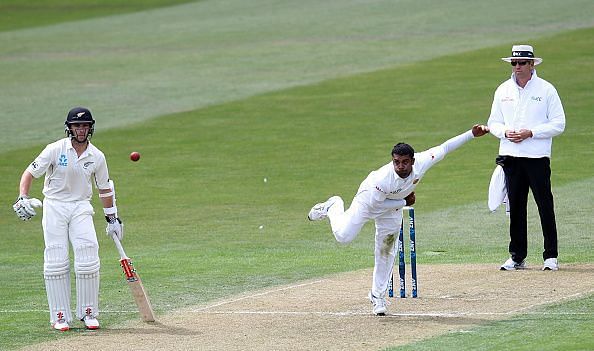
(91, 323)
(550, 264)
(320, 211)
(61, 325)
(511, 265)
(379, 304)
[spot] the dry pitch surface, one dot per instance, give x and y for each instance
(333, 313)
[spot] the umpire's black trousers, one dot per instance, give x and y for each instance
(522, 174)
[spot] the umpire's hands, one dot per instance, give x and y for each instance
(114, 227)
(519, 136)
(25, 207)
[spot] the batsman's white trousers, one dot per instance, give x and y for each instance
(346, 225)
(64, 223)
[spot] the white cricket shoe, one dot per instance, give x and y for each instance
(511, 265)
(91, 323)
(550, 264)
(320, 211)
(379, 304)
(61, 325)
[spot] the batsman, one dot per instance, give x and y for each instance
(381, 197)
(71, 165)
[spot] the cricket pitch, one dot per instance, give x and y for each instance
(333, 313)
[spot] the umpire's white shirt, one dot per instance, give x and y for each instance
(536, 107)
(67, 176)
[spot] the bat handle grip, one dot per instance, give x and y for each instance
(119, 246)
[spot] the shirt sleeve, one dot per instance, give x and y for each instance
(555, 116)
(426, 159)
(378, 195)
(379, 200)
(42, 163)
(496, 122)
(102, 175)
(389, 204)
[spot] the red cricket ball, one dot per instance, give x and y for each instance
(135, 156)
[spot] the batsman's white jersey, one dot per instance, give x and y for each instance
(381, 185)
(67, 176)
(67, 217)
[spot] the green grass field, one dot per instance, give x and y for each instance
(135, 66)
(201, 223)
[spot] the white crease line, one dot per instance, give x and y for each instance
(349, 314)
(258, 295)
(200, 309)
(47, 311)
(448, 315)
(427, 314)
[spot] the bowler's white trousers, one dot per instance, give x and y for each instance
(346, 225)
(65, 222)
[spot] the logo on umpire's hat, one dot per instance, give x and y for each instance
(524, 52)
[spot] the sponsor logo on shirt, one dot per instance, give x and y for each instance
(63, 161)
(507, 99)
(378, 189)
(34, 165)
(87, 164)
(537, 98)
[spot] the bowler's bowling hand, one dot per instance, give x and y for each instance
(479, 130)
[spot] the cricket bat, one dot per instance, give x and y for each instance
(135, 284)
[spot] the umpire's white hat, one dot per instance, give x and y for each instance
(522, 52)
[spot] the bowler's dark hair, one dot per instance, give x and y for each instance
(403, 149)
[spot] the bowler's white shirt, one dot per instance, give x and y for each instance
(536, 107)
(67, 176)
(385, 183)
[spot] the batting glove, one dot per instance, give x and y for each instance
(25, 207)
(114, 227)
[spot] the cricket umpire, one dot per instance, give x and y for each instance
(525, 115)
(71, 166)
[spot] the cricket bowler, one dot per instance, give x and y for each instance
(381, 197)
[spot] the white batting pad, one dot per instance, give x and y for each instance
(56, 272)
(86, 266)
